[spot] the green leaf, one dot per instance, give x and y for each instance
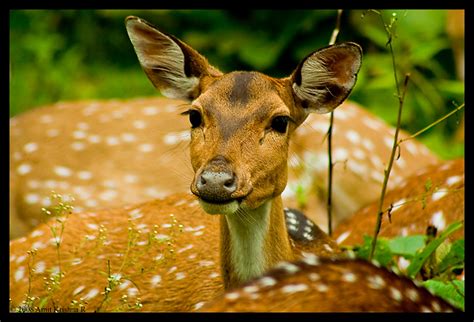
(406, 246)
(382, 251)
(452, 292)
(43, 302)
(418, 260)
(454, 258)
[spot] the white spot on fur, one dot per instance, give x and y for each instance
(396, 294)
(372, 123)
(108, 195)
(125, 284)
(139, 124)
(199, 305)
(340, 154)
(112, 140)
(288, 267)
(232, 296)
(32, 198)
(438, 195)
(311, 259)
(91, 294)
(150, 110)
(23, 169)
(84, 175)
(403, 263)
(132, 292)
(46, 118)
(213, 275)
(453, 180)
(328, 248)
(21, 258)
(78, 290)
(78, 146)
(314, 277)
(398, 204)
(388, 141)
(349, 277)
(376, 282)
(359, 154)
(91, 203)
(155, 280)
(342, 237)
(206, 263)
(377, 176)
(38, 245)
(30, 147)
(37, 233)
(368, 144)
(173, 138)
(438, 220)
(266, 281)
(130, 178)
(94, 138)
(294, 288)
(358, 168)
(180, 276)
(185, 248)
(20, 273)
(353, 136)
(62, 171)
(52, 132)
(40, 267)
(172, 269)
(412, 294)
(145, 147)
(322, 288)
(128, 137)
(250, 289)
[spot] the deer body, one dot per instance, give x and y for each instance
(328, 285)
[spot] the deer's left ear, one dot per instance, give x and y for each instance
(325, 78)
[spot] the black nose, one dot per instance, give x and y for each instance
(217, 181)
(216, 186)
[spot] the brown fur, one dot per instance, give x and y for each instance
(412, 217)
(322, 288)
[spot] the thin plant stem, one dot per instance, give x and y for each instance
(432, 124)
(401, 98)
(332, 41)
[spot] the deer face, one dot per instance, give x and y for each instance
(241, 122)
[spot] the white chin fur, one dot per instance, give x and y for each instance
(221, 209)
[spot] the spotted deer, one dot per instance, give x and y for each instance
(120, 152)
(241, 123)
(328, 285)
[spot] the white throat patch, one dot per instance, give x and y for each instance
(247, 236)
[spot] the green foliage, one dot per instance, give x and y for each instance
(433, 259)
(452, 291)
(430, 248)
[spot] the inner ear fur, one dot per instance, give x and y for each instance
(173, 67)
(324, 79)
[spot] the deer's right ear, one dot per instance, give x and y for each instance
(172, 66)
(325, 78)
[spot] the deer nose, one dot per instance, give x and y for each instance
(216, 186)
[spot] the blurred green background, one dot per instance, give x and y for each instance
(86, 54)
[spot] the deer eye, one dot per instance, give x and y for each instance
(280, 123)
(194, 118)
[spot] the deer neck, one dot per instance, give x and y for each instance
(253, 241)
